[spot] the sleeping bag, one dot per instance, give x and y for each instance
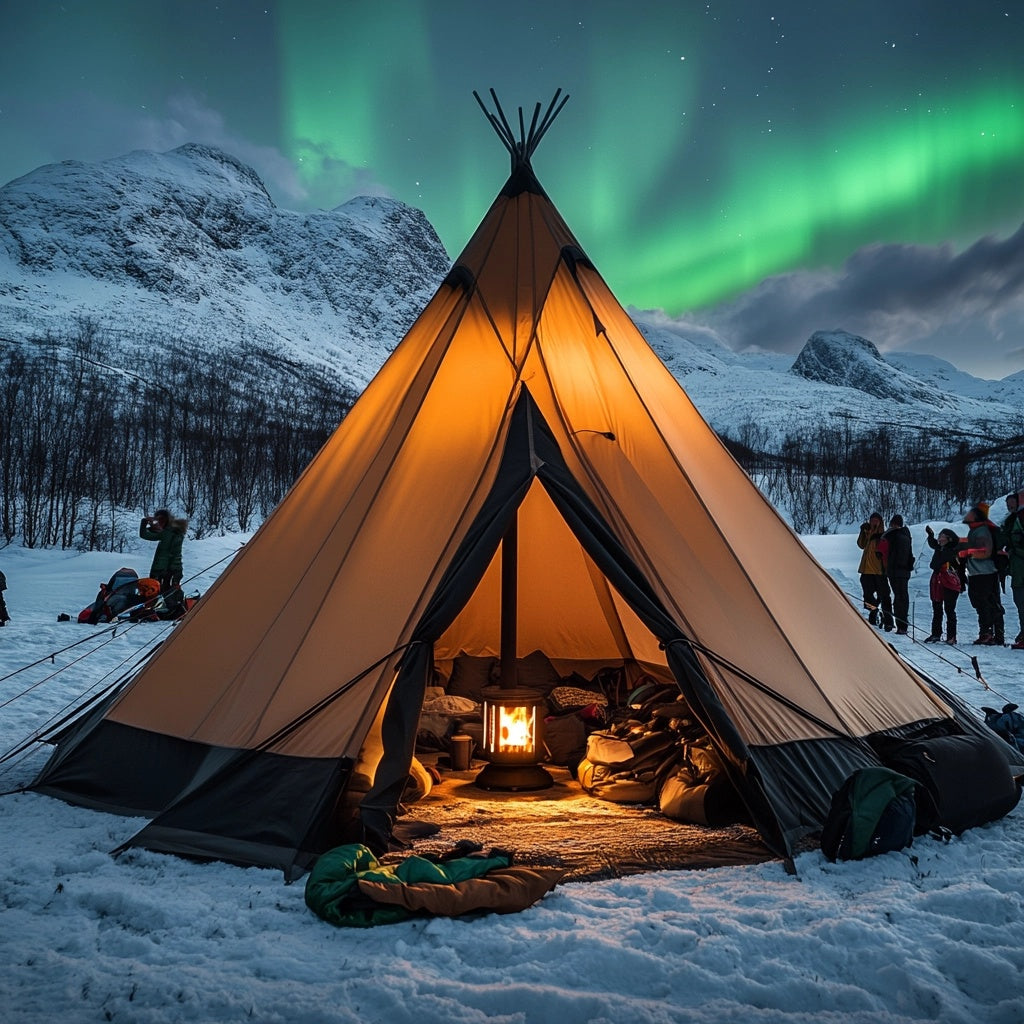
(349, 887)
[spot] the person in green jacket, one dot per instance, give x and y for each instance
(1013, 534)
(168, 534)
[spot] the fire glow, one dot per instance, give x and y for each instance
(512, 740)
(517, 727)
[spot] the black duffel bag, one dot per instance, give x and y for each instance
(965, 780)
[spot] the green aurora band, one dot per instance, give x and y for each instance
(795, 196)
(816, 204)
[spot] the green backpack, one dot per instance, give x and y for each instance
(873, 811)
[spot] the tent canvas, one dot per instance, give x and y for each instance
(523, 389)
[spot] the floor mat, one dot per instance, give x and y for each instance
(563, 826)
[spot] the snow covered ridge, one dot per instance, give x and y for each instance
(189, 245)
(836, 377)
(847, 360)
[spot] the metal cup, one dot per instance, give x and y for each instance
(462, 751)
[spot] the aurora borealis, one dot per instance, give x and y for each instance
(698, 158)
(705, 146)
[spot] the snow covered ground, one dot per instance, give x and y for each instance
(933, 933)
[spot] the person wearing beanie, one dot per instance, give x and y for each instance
(873, 585)
(978, 550)
(896, 548)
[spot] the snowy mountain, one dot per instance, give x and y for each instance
(848, 361)
(945, 375)
(188, 246)
(836, 377)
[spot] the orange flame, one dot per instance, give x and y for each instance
(516, 729)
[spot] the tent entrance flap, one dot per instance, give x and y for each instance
(509, 615)
(530, 451)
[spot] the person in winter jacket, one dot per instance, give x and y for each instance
(977, 549)
(4, 617)
(896, 549)
(873, 585)
(169, 535)
(946, 569)
(1013, 538)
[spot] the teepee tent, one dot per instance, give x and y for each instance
(523, 393)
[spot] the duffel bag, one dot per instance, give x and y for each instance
(607, 748)
(627, 770)
(618, 787)
(965, 778)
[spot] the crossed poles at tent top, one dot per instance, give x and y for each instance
(521, 149)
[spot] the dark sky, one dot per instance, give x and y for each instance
(809, 164)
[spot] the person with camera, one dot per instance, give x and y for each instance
(169, 535)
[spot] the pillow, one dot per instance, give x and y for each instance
(450, 704)
(535, 672)
(572, 698)
(470, 675)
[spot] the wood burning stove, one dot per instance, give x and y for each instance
(513, 740)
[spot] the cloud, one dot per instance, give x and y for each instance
(187, 119)
(318, 180)
(966, 307)
(331, 181)
(89, 127)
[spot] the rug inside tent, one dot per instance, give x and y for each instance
(565, 827)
